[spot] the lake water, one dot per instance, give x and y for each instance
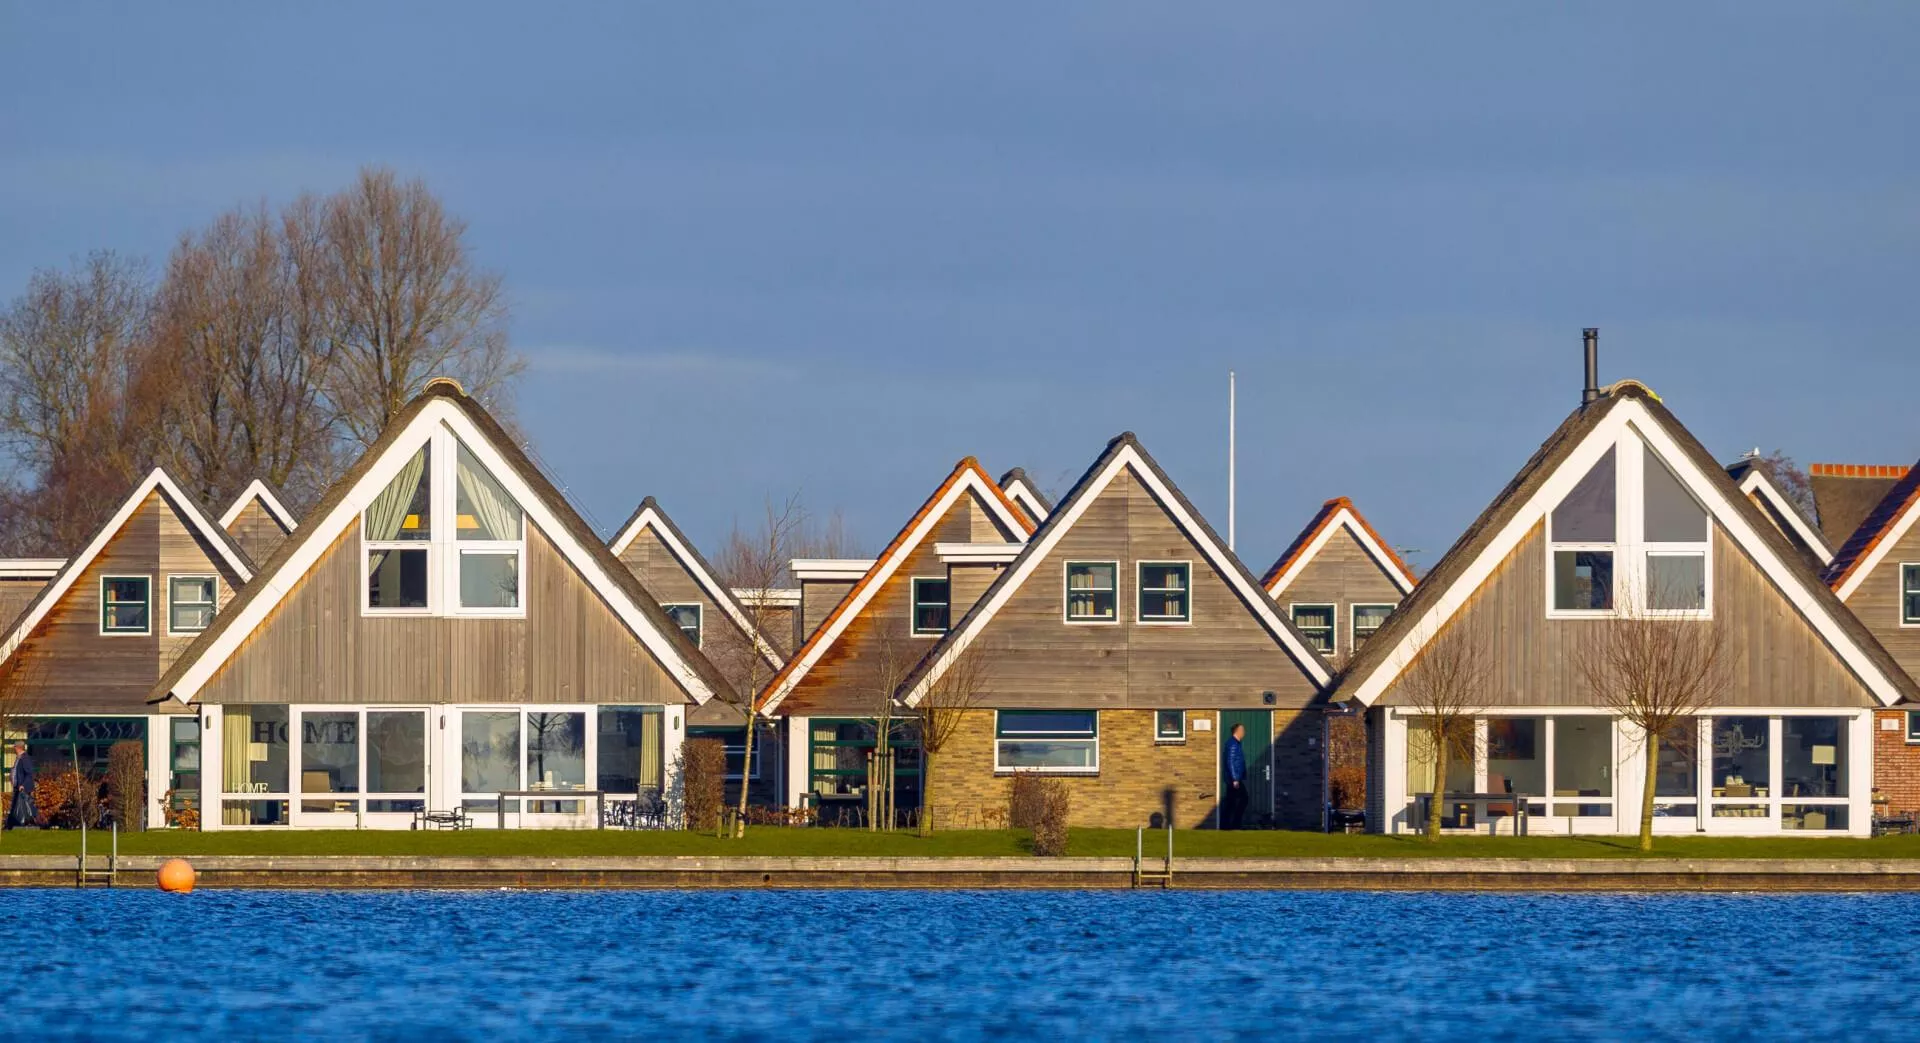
(957, 965)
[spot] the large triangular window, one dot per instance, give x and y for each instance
(1629, 536)
(444, 537)
(1583, 530)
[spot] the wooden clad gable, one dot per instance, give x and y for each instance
(1343, 574)
(316, 646)
(721, 638)
(1875, 598)
(77, 669)
(1775, 658)
(1224, 657)
(256, 530)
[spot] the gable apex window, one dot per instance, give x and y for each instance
(1630, 538)
(444, 537)
(687, 618)
(1093, 592)
(1166, 592)
(190, 603)
(1910, 595)
(126, 605)
(1582, 531)
(1315, 623)
(1366, 620)
(1675, 530)
(932, 606)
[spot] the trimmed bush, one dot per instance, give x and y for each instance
(1050, 830)
(127, 784)
(1024, 804)
(704, 773)
(64, 799)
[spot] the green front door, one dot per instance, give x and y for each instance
(1257, 744)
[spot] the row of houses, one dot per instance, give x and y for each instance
(443, 630)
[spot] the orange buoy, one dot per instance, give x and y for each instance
(176, 876)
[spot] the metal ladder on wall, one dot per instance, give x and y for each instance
(1143, 875)
(89, 875)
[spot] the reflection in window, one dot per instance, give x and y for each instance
(329, 758)
(1583, 764)
(687, 619)
(1741, 765)
(1047, 740)
(630, 749)
(1676, 582)
(396, 751)
(1670, 512)
(489, 579)
(1366, 620)
(254, 759)
(1813, 757)
(489, 754)
(556, 750)
(190, 603)
(1676, 781)
(1583, 580)
(1516, 755)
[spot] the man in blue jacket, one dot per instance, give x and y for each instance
(1235, 806)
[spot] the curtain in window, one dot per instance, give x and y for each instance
(482, 496)
(651, 779)
(388, 512)
(236, 765)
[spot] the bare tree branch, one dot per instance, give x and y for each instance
(1443, 685)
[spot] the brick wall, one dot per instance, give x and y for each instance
(1138, 776)
(1896, 764)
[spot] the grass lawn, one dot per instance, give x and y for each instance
(767, 840)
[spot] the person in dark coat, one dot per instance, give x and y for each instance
(21, 813)
(1235, 806)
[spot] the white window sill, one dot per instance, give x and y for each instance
(1077, 772)
(1092, 622)
(1164, 622)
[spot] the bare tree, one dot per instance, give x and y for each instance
(883, 669)
(1656, 671)
(408, 304)
(1793, 482)
(1444, 685)
(754, 563)
(738, 557)
(943, 710)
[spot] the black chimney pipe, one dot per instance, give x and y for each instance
(1591, 393)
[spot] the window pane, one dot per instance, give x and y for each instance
(1586, 515)
(687, 618)
(1163, 592)
(1049, 722)
(123, 604)
(1517, 756)
(489, 579)
(1813, 816)
(1582, 580)
(1369, 618)
(1047, 753)
(489, 751)
(255, 755)
(931, 610)
(1910, 593)
(190, 618)
(485, 510)
(1677, 582)
(630, 750)
(1913, 725)
(396, 751)
(1582, 757)
(404, 509)
(556, 749)
(397, 578)
(1422, 745)
(191, 589)
(1672, 515)
(1170, 724)
(1740, 758)
(329, 754)
(1813, 757)
(1090, 591)
(1679, 772)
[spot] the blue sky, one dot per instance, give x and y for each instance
(835, 247)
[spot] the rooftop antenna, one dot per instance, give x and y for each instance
(1230, 447)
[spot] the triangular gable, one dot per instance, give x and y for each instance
(649, 519)
(1335, 516)
(967, 478)
(1884, 527)
(444, 403)
(190, 512)
(1123, 454)
(1753, 479)
(1561, 462)
(258, 492)
(1026, 495)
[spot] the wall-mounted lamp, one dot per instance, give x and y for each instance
(1267, 698)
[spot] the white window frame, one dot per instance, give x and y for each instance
(214, 604)
(1913, 727)
(1333, 624)
(699, 619)
(444, 547)
(1161, 739)
(1140, 591)
(1353, 619)
(100, 619)
(459, 795)
(1002, 768)
(1066, 597)
(1630, 548)
(1900, 608)
(913, 606)
(297, 813)
(1703, 551)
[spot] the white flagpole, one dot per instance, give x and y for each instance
(1230, 448)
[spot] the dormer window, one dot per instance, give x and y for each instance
(444, 537)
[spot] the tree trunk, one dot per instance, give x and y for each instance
(1646, 796)
(1434, 810)
(746, 771)
(926, 792)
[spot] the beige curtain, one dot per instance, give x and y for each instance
(651, 750)
(236, 768)
(498, 515)
(388, 512)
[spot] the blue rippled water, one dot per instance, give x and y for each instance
(956, 965)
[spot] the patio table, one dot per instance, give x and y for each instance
(599, 798)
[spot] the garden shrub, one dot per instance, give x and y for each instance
(1050, 829)
(704, 771)
(64, 799)
(127, 784)
(1024, 802)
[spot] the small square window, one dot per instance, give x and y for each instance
(1315, 623)
(1676, 582)
(1092, 592)
(1913, 725)
(190, 603)
(931, 607)
(489, 579)
(1583, 580)
(687, 618)
(1910, 595)
(1366, 620)
(1165, 592)
(1170, 726)
(397, 578)
(124, 604)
